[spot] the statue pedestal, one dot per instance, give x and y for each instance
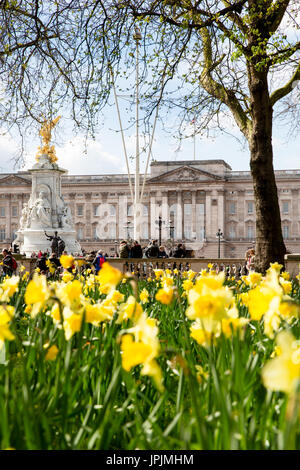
(36, 240)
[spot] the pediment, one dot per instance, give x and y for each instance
(185, 174)
(14, 180)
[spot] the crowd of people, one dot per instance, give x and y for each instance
(135, 250)
(45, 260)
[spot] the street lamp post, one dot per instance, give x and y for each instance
(128, 226)
(159, 222)
(219, 235)
(116, 244)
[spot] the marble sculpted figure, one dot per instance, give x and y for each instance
(41, 210)
(24, 217)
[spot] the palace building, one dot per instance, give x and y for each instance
(193, 198)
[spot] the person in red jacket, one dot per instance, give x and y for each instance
(98, 261)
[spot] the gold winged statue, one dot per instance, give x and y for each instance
(45, 133)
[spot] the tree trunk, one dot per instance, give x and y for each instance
(269, 241)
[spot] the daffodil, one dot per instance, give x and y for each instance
(51, 352)
(201, 335)
(66, 261)
(6, 314)
(66, 277)
(70, 294)
(130, 309)
(282, 373)
(97, 313)
(187, 284)
(143, 349)
(144, 296)
(37, 293)
(165, 295)
(108, 275)
(8, 287)
(72, 322)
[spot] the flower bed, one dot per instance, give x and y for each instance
(182, 361)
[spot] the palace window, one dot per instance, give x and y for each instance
(95, 234)
(285, 207)
(232, 208)
(145, 211)
(14, 211)
(130, 210)
(187, 209)
(250, 207)
(112, 230)
(231, 232)
(80, 233)
(95, 210)
(2, 211)
(112, 210)
(80, 209)
(2, 234)
(286, 231)
(187, 233)
(250, 231)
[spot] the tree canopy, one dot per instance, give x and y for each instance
(209, 57)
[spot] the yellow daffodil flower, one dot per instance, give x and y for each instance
(282, 373)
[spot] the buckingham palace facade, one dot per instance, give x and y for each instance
(193, 198)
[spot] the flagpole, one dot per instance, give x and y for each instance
(137, 37)
(194, 122)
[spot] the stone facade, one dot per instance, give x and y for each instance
(194, 199)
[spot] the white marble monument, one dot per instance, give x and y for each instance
(46, 210)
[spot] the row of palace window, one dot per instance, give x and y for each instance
(250, 232)
(285, 207)
(14, 211)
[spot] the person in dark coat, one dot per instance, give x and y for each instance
(162, 252)
(7, 262)
(179, 252)
(136, 250)
(41, 264)
(124, 249)
(152, 250)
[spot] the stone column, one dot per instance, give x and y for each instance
(179, 214)
(221, 213)
(241, 213)
(88, 215)
(165, 216)
(117, 219)
(123, 198)
(152, 215)
(8, 216)
(194, 231)
(208, 227)
(294, 213)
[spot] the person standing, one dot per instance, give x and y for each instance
(8, 263)
(179, 252)
(152, 250)
(162, 252)
(124, 249)
(98, 261)
(41, 263)
(136, 250)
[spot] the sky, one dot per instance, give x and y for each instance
(105, 154)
